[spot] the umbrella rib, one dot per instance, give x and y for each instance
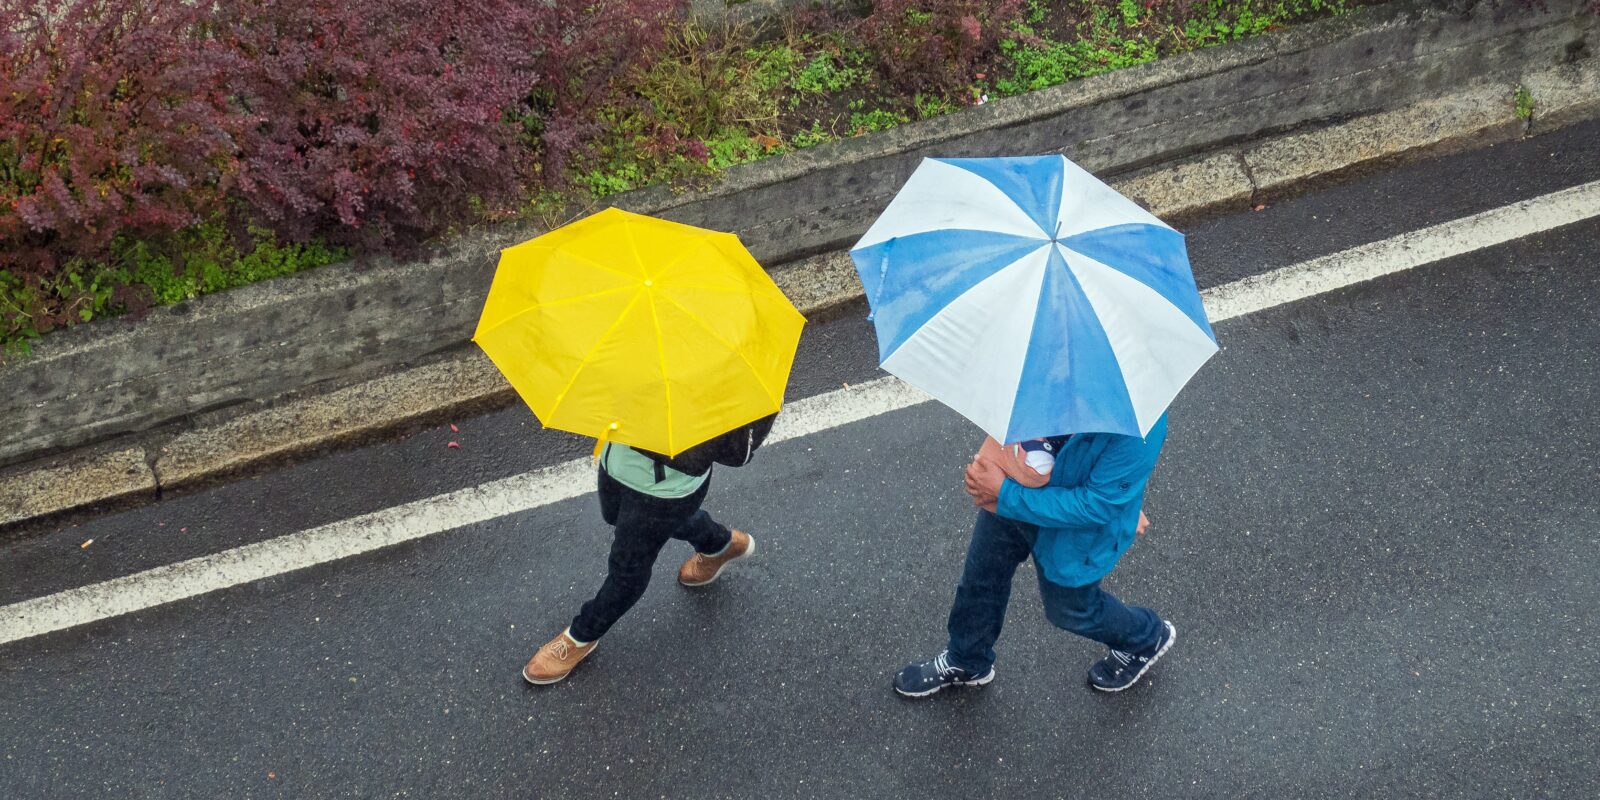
(661, 354)
(633, 244)
(746, 290)
(661, 342)
(552, 304)
(753, 371)
(582, 365)
(661, 272)
(754, 292)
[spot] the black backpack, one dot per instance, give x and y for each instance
(733, 449)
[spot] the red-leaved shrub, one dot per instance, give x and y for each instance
(386, 121)
(381, 121)
(112, 122)
(583, 48)
(368, 122)
(936, 43)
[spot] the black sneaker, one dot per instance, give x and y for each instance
(926, 677)
(1119, 670)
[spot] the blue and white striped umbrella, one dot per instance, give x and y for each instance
(1032, 298)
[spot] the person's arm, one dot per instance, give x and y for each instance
(1115, 479)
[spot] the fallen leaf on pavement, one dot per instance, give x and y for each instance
(456, 445)
(454, 429)
(272, 776)
(1262, 207)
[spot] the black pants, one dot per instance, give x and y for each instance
(643, 525)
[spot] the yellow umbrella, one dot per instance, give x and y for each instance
(638, 330)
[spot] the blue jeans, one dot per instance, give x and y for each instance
(644, 524)
(998, 546)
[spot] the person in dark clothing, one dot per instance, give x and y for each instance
(651, 499)
(1075, 524)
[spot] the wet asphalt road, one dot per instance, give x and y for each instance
(1376, 528)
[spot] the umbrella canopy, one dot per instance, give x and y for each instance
(1032, 298)
(640, 331)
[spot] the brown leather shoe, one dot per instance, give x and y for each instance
(702, 569)
(555, 660)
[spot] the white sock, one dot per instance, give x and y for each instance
(568, 633)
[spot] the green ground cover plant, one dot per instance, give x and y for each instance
(1523, 103)
(165, 270)
(718, 98)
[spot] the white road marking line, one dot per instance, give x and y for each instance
(542, 487)
(1424, 246)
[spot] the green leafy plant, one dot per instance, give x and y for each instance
(829, 72)
(1105, 44)
(733, 147)
(1116, 34)
(1130, 11)
(164, 270)
(932, 106)
(1524, 103)
(812, 136)
(207, 258)
(878, 119)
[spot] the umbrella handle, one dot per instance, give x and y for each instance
(600, 443)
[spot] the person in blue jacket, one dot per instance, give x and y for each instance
(1075, 526)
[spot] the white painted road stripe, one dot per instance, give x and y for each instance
(531, 490)
(1424, 246)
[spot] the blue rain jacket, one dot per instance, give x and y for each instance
(1088, 512)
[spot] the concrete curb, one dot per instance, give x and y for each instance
(93, 479)
(236, 441)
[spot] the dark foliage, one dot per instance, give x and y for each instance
(387, 121)
(111, 124)
(373, 123)
(584, 48)
(380, 122)
(934, 44)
